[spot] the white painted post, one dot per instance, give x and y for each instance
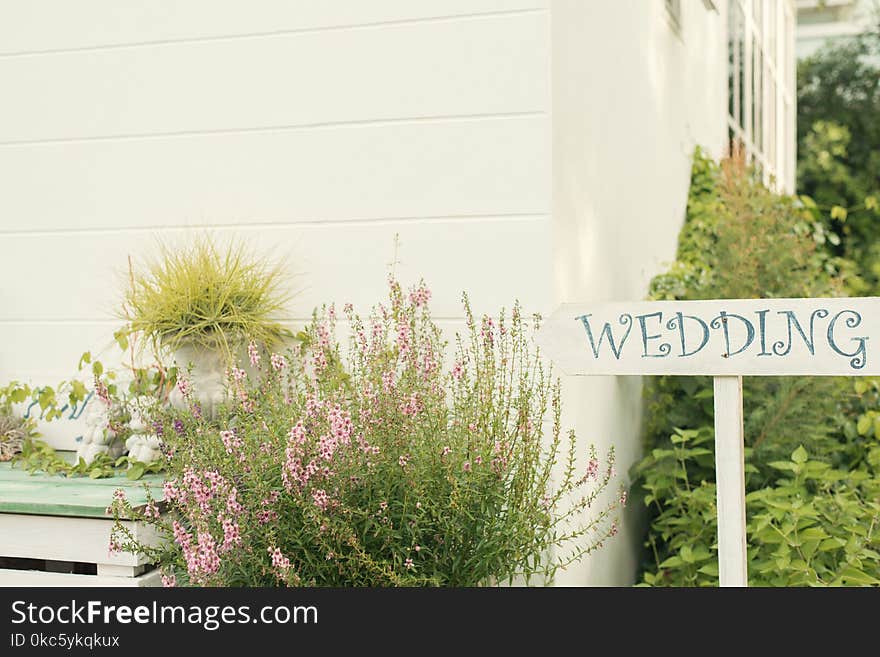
(730, 481)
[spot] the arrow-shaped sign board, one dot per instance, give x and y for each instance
(726, 339)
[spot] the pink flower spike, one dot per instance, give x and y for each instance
(183, 386)
(254, 354)
(231, 441)
(279, 362)
(279, 561)
(320, 498)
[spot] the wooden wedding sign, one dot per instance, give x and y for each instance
(726, 339)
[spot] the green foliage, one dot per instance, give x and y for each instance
(55, 403)
(839, 144)
(378, 467)
(38, 456)
(741, 240)
(51, 402)
(811, 525)
(206, 294)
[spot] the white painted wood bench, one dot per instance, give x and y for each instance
(54, 531)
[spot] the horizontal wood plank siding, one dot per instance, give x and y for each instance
(321, 130)
(38, 26)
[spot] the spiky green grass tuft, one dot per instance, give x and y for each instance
(208, 295)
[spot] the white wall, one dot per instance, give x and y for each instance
(319, 128)
(322, 129)
(632, 97)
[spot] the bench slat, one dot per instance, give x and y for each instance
(42, 494)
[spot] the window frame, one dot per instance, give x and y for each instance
(761, 32)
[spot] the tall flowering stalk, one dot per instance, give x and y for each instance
(392, 463)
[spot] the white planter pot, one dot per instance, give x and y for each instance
(206, 372)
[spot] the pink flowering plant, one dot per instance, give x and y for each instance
(389, 464)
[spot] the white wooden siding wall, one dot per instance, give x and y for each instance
(632, 97)
(321, 129)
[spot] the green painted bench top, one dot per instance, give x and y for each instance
(42, 494)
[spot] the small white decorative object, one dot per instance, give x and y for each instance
(143, 445)
(98, 437)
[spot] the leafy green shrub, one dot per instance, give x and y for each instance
(839, 144)
(740, 240)
(814, 525)
(207, 295)
(379, 467)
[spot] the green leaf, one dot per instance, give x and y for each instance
(809, 548)
(121, 337)
(863, 426)
(136, 471)
(807, 201)
(831, 544)
(871, 203)
(686, 554)
(78, 392)
(97, 368)
(839, 212)
(799, 455)
(852, 575)
(710, 569)
(46, 397)
(672, 562)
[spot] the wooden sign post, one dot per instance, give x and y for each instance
(726, 340)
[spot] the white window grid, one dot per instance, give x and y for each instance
(761, 116)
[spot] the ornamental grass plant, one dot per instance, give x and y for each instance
(208, 295)
(380, 465)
